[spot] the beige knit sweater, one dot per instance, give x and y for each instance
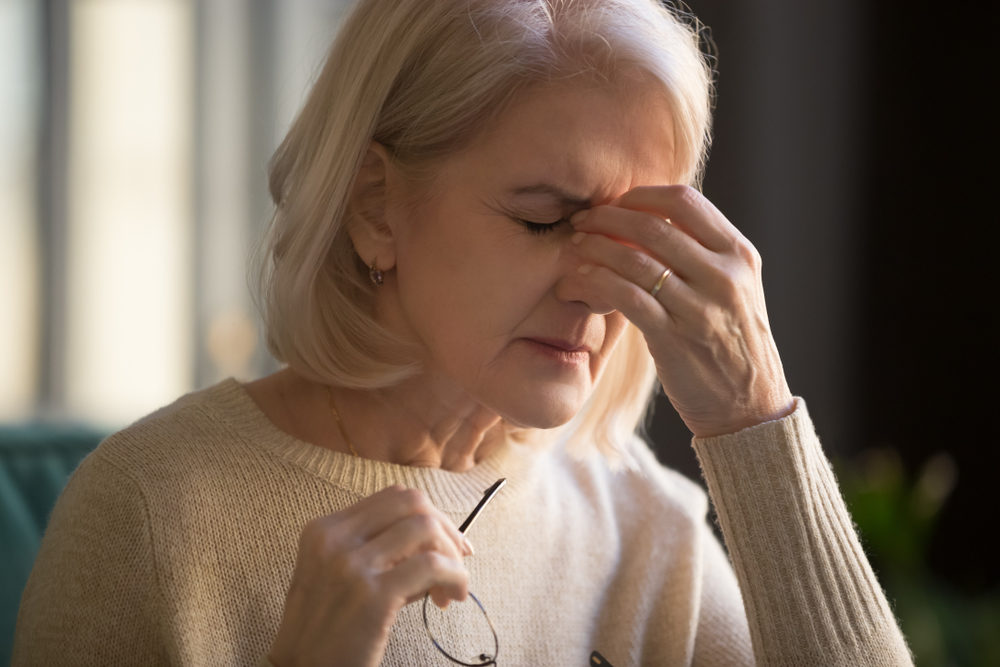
(174, 542)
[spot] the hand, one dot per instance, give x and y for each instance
(357, 568)
(707, 326)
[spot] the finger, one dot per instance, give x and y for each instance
(708, 278)
(676, 250)
(372, 504)
(414, 577)
(686, 208)
(595, 282)
(373, 515)
(650, 233)
(688, 264)
(407, 537)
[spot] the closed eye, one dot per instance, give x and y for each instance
(541, 227)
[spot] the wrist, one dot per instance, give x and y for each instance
(773, 411)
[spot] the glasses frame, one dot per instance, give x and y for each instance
(484, 658)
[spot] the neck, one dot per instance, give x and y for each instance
(424, 421)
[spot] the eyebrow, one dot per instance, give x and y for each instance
(568, 199)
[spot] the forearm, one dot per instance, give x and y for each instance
(810, 594)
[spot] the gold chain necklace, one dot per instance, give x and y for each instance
(340, 423)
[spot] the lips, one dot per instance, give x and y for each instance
(562, 345)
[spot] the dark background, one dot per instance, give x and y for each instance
(853, 146)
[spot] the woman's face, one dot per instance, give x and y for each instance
(490, 297)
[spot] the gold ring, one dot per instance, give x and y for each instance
(659, 282)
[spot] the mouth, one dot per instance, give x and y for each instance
(561, 345)
(564, 352)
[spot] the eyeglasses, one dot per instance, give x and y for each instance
(482, 659)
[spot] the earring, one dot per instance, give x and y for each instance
(375, 275)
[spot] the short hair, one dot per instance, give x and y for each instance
(425, 78)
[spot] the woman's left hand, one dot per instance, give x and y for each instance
(706, 326)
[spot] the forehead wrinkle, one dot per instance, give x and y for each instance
(545, 144)
(588, 174)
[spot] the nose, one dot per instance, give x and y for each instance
(580, 286)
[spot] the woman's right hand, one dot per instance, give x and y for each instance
(357, 568)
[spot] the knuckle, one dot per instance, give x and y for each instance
(681, 194)
(459, 579)
(442, 568)
(410, 495)
(730, 291)
(638, 265)
(439, 562)
(634, 299)
(674, 241)
(649, 231)
(423, 524)
(726, 282)
(413, 501)
(432, 561)
(746, 251)
(688, 194)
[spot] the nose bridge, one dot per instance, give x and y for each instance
(569, 259)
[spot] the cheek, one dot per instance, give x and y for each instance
(614, 326)
(462, 292)
(483, 280)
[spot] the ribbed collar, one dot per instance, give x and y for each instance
(449, 491)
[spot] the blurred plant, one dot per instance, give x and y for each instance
(896, 514)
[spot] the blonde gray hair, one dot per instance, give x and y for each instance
(424, 78)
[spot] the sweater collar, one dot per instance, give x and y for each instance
(449, 491)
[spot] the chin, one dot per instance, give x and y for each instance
(543, 412)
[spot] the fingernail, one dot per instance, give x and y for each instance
(577, 238)
(585, 268)
(469, 551)
(578, 217)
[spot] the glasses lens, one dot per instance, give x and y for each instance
(462, 632)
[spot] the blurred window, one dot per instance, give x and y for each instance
(129, 206)
(19, 290)
(134, 140)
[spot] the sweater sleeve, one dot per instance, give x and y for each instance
(810, 595)
(92, 597)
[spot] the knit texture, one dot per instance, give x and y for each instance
(175, 541)
(795, 551)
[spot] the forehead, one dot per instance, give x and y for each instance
(594, 140)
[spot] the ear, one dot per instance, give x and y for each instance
(367, 221)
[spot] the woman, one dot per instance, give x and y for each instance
(486, 253)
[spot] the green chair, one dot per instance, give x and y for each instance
(35, 462)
